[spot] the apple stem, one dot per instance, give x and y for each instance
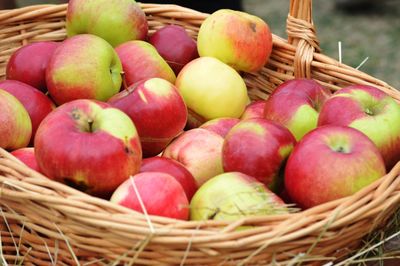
(368, 111)
(90, 123)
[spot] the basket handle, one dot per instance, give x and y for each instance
(301, 33)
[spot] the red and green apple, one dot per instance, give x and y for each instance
(83, 67)
(329, 163)
(88, 145)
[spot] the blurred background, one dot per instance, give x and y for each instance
(365, 28)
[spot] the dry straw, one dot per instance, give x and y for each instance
(47, 223)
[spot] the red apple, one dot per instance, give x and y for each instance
(221, 126)
(28, 64)
(371, 111)
(89, 145)
(83, 67)
(27, 156)
(200, 151)
(173, 168)
(175, 45)
(141, 61)
(254, 110)
(259, 148)
(238, 39)
(234, 195)
(15, 124)
(329, 163)
(160, 194)
(35, 102)
(296, 104)
(158, 111)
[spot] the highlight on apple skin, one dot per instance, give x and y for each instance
(329, 163)
(88, 145)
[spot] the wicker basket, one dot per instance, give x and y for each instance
(44, 222)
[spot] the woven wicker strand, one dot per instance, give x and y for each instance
(48, 223)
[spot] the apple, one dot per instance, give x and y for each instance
(35, 102)
(238, 39)
(83, 67)
(254, 110)
(371, 111)
(28, 64)
(329, 163)
(173, 168)
(160, 193)
(158, 111)
(15, 124)
(296, 105)
(200, 151)
(88, 145)
(259, 148)
(27, 156)
(175, 45)
(234, 195)
(140, 61)
(116, 21)
(211, 89)
(221, 125)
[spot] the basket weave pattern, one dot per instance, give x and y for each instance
(44, 222)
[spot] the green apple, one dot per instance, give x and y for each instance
(83, 67)
(15, 123)
(116, 21)
(211, 89)
(233, 195)
(238, 39)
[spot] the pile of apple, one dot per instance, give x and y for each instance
(163, 124)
